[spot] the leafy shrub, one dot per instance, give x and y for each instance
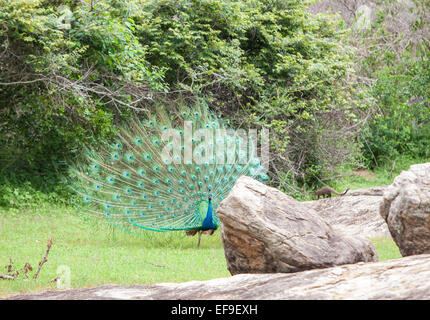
(72, 71)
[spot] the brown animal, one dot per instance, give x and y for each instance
(327, 191)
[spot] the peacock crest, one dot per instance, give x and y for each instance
(167, 172)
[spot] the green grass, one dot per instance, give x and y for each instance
(386, 249)
(382, 176)
(97, 254)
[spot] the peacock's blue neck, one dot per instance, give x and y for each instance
(208, 223)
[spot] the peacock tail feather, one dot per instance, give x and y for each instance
(166, 172)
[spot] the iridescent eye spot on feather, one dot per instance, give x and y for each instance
(110, 179)
(129, 157)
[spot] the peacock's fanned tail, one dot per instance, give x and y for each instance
(165, 172)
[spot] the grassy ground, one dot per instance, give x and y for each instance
(98, 254)
(381, 176)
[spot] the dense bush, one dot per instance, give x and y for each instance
(393, 59)
(391, 45)
(71, 71)
(65, 78)
(402, 124)
(261, 63)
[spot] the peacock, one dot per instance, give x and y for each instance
(167, 172)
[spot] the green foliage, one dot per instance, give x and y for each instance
(29, 189)
(401, 125)
(259, 63)
(71, 71)
(63, 85)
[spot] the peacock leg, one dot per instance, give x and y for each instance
(200, 235)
